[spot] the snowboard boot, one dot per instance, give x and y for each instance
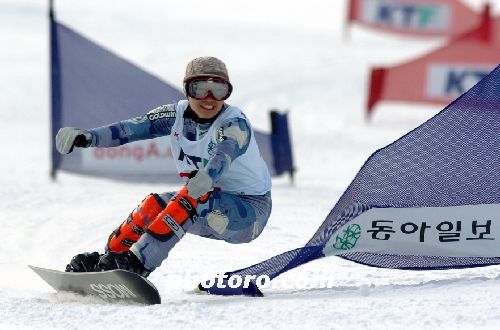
(172, 220)
(121, 260)
(83, 262)
(122, 238)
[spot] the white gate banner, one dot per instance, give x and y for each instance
(455, 231)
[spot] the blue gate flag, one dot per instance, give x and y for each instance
(429, 200)
(91, 87)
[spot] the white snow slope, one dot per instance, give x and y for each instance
(281, 54)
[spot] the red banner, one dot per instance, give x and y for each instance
(428, 18)
(444, 74)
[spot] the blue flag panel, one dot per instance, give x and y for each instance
(430, 200)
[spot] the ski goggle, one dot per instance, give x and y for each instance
(201, 88)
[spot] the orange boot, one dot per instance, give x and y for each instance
(122, 238)
(169, 222)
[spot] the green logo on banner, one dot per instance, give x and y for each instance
(347, 240)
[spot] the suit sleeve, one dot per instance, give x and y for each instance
(233, 139)
(156, 123)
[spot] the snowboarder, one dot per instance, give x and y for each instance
(227, 191)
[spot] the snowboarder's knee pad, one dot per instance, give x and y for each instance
(218, 221)
(122, 238)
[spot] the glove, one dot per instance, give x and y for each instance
(199, 184)
(69, 137)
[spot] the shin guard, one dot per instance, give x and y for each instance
(122, 238)
(170, 221)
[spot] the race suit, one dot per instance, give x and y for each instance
(240, 205)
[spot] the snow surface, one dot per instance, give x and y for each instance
(287, 55)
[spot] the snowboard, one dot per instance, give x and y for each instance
(112, 286)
